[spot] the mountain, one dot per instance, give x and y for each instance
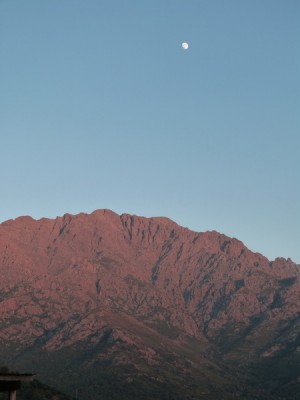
(127, 307)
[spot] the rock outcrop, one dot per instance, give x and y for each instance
(145, 293)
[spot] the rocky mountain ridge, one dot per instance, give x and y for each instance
(141, 295)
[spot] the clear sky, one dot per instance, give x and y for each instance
(100, 107)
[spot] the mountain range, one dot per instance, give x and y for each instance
(125, 307)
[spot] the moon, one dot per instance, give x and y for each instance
(185, 45)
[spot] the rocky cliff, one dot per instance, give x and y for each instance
(126, 305)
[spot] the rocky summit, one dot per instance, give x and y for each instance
(126, 307)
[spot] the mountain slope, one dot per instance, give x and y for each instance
(149, 304)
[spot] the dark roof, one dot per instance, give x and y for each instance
(10, 376)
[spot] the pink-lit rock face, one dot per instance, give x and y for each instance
(69, 279)
(101, 261)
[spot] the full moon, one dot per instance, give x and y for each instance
(185, 45)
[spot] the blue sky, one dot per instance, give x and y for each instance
(101, 108)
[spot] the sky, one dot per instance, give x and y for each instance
(100, 107)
